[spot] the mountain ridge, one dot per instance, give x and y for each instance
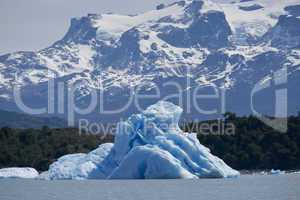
(21, 120)
(221, 44)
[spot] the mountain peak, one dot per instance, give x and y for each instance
(83, 29)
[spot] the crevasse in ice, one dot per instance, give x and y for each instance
(149, 145)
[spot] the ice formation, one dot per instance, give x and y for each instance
(149, 145)
(79, 166)
(16, 172)
(276, 172)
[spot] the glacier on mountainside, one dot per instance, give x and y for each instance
(16, 172)
(149, 145)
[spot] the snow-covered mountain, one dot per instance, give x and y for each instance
(233, 45)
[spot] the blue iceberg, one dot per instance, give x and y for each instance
(149, 145)
(79, 166)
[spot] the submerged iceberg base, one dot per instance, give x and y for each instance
(149, 145)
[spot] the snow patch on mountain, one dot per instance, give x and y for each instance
(112, 26)
(250, 25)
(294, 58)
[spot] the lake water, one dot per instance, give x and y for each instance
(256, 187)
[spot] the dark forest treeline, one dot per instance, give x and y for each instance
(38, 148)
(253, 145)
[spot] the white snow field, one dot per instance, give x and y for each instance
(149, 145)
(16, 172)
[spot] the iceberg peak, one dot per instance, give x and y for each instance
(163, 114)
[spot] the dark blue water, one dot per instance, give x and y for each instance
(257, 187)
